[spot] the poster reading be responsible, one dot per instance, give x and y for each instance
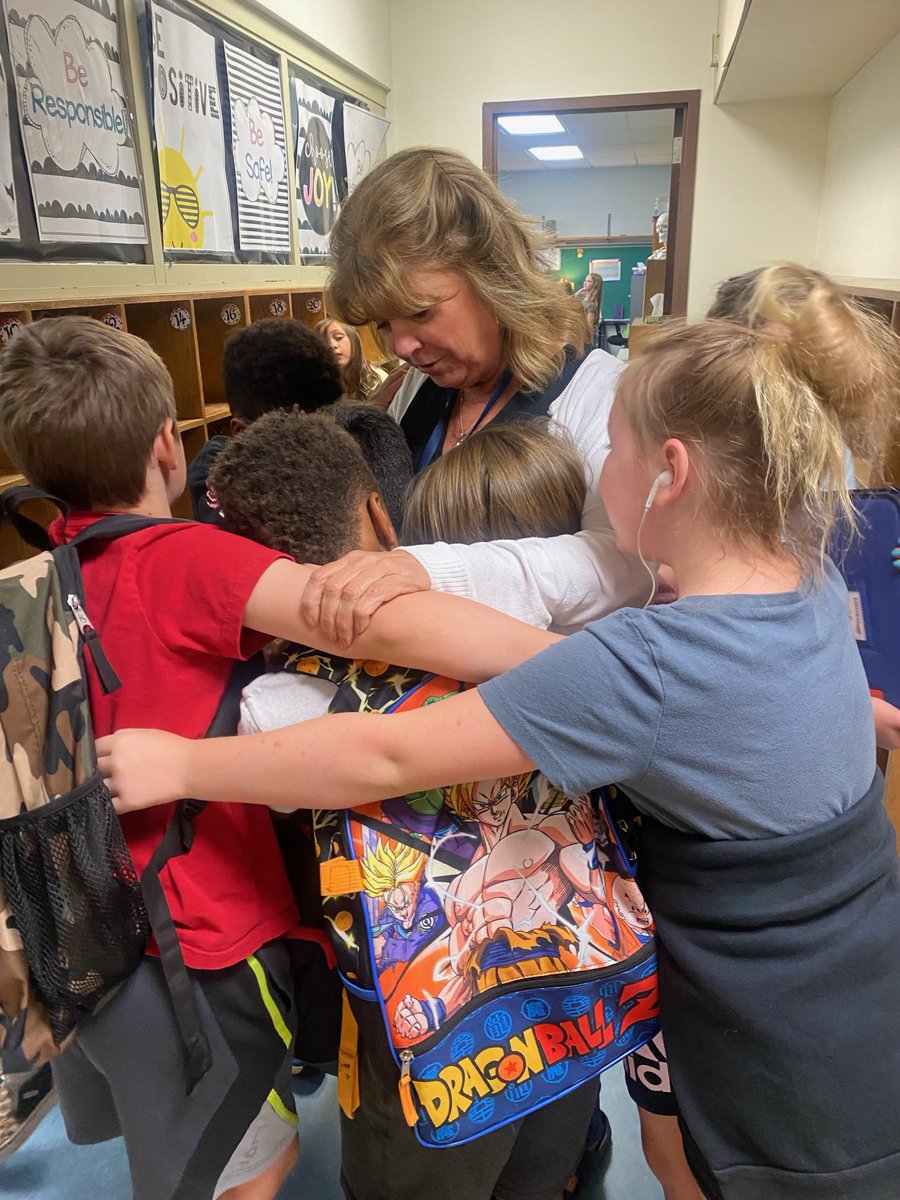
(75, 121)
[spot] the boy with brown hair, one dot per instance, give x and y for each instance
(88, 414)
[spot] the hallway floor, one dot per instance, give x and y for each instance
(47, 1167)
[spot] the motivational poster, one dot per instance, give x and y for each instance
(76, 127)
(9, 216)
(259, 149)
(190, 136)
(317, 199)
(363, 136)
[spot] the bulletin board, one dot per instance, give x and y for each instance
(575, 268)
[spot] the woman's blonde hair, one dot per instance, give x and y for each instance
(434, 209)
(359, 378)
(770, 409)
(511, 480)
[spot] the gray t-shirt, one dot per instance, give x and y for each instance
(731, 716)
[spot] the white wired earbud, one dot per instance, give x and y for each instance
(663, 479)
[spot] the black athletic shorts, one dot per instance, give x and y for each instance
(125, 1076)
(647, 1079)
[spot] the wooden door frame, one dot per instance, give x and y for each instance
(682, 198)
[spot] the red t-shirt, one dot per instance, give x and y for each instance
(168, 604)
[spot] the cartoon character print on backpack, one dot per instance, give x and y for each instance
(534, 896)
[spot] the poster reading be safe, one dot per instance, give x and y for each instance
(258, 146)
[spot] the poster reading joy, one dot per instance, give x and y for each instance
(187, 117)
(75, 122)
(258, 146)
(317, 199)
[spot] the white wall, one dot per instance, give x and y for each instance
(357, 31)
(859, 234)
(760, 166)
(580, 200)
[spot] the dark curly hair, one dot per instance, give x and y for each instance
(294, 481)
(278, 364)
(384, 447)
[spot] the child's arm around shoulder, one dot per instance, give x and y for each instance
(445, 634)
(339, 761)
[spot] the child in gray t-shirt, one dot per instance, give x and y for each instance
(738, 720)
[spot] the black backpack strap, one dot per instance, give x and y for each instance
(108, 529)
(177, 840)
(29, 531)
(68, 565)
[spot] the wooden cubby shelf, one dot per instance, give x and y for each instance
(188, 331)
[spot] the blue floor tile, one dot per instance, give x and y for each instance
(47, 1167)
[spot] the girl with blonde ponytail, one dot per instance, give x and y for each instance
(737, 719)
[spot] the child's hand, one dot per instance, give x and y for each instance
(887, 724)
(895, 557)
(342, 596)
(142, 767)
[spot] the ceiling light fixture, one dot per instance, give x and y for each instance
(530, 125)
(555, 153)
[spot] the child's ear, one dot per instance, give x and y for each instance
(165, 445)
(381, 522)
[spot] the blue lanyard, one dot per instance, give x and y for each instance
(439, 433)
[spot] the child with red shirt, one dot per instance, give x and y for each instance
(87, 413)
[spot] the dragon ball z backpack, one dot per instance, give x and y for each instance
(497, 926)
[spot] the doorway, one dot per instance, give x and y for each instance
(599, 171)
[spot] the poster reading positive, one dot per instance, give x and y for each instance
(363, 135)
(258, 145)
(317, 200)
(75, 121)
(190, 136)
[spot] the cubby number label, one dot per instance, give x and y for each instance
(113, 320)
(180, 318)
(278, 307)
(231, 314)
(8, 330)
(314, 305)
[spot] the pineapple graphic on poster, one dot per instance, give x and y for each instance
(190, 133)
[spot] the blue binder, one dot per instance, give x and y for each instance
(874, 586)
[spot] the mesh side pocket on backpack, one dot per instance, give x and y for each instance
(76, 899)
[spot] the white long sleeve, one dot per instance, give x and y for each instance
(563, 581)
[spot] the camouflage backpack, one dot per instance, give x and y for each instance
(73, 911)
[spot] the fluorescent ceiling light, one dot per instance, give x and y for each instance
(555, 153)
(525, 126)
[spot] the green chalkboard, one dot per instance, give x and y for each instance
(576, 268)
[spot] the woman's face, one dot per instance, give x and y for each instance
(337, 339)
(455, 339)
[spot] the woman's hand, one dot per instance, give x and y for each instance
(388, 388)
(143, 767)
(341, 597)
(887, 724)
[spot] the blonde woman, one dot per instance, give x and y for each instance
(360, 377)
(450, 272)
